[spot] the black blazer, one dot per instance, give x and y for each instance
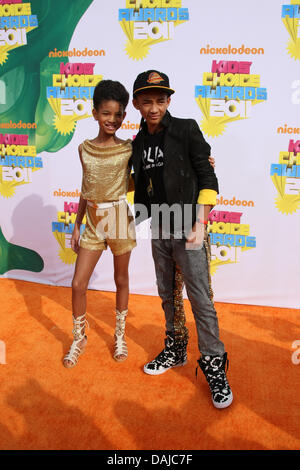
(186, 166)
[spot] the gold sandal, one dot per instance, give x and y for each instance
(121, 351)
(75, 350)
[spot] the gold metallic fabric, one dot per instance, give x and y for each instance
(113, 227)
(208, 256)
(180, 329)
(105, 171)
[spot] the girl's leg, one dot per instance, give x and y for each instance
(85, 265)
(121, 277)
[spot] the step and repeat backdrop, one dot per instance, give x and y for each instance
(235, 70)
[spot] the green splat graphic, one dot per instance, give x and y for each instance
(29, 69)
(24, 77)
(18, 257)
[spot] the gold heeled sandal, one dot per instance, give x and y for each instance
(121, 351)
(75, 350)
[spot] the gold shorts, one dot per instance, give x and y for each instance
(113, 227)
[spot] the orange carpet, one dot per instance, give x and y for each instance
(101, 404)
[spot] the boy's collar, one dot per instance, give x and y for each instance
(165, 121)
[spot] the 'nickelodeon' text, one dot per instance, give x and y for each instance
(232, 50)
(77, 53)
(288, 130)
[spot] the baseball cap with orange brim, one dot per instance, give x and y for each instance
(152, 80)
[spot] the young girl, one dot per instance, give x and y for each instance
(108, 219)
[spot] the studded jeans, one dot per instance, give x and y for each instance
(194, 266)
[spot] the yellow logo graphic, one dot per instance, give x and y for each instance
(62, 230)
(286, 179)
(227, 94)
(71, 95)
(149, 22)
(290, 15)
(18, 162)
(16, 21)
(228, 238)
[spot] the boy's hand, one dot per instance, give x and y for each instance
(212, 161)
(196, 236)
(75, 239)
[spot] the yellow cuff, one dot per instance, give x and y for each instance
(207, 197)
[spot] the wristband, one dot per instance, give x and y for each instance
(205, 222)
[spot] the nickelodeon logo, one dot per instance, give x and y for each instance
(19, 125)
(288, 130)
(233, 202)
(232, 50)
(130, 126)
(61, 193)
(77, 53)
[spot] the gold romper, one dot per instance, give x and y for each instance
(109, 221)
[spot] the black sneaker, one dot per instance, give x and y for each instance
(213, 368)
(173, 355)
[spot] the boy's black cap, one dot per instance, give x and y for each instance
(152, 79)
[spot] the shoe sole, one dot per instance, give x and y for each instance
(221, 406)
(120, 359)
(73, 364)
(159, 372)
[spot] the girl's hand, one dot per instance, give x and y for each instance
(212, 161)
(75, 239)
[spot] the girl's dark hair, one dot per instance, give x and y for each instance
(110, 90)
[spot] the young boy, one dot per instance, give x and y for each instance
(171, 169)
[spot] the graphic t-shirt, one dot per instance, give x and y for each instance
(153, 165)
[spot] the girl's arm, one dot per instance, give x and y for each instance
(130, 183)
(79, 217)
(81, 211)
(130, 178)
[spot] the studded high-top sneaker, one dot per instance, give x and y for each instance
(213, 367)
(173, 355)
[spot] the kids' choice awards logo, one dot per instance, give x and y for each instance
(227, 94)
(62, 230)
(16, 21)
(148, 22)
(71, 95)
(290, 15)
(18, 162)
(286, 178)
(229, 238)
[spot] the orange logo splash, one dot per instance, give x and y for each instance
(154, 77)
